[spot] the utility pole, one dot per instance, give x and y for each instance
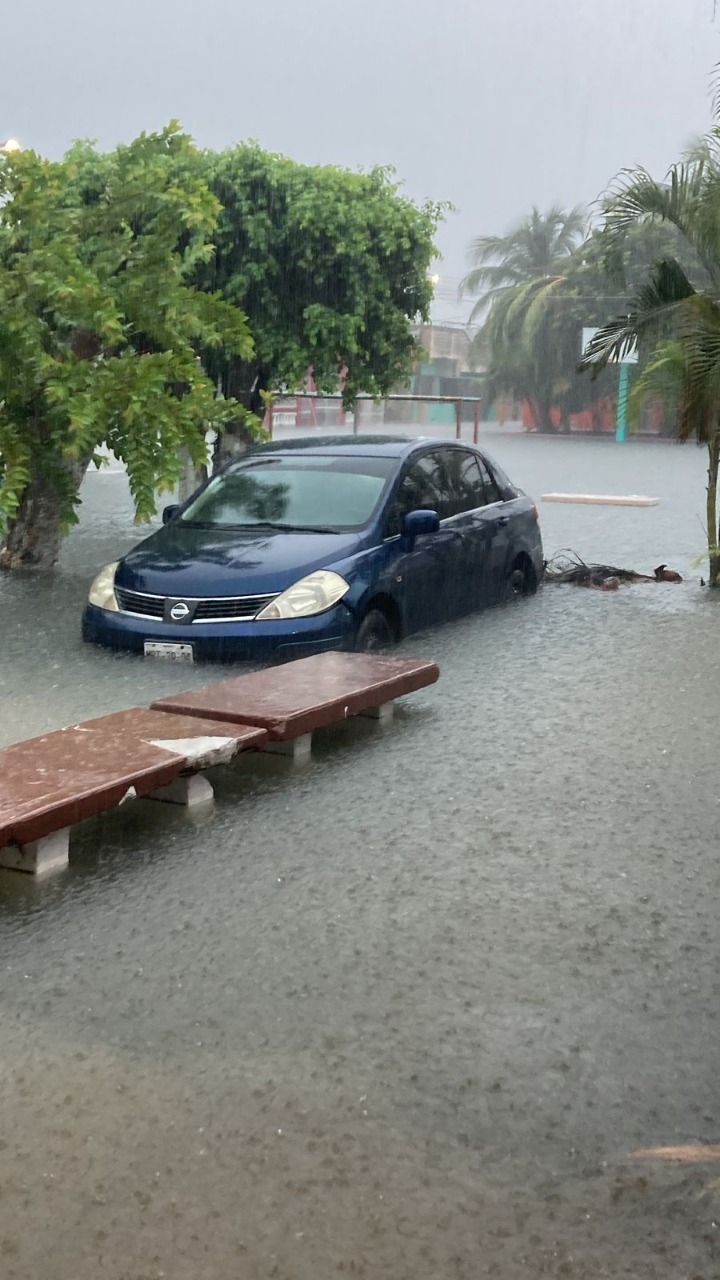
(630, 357)
(622, 406)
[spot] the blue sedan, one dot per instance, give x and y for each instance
(329, 543)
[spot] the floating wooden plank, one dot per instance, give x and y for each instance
(293, 700)
(687, 1153)
(49, 783)
(603, 499)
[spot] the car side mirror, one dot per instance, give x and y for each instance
(417, 523)
(170, 512)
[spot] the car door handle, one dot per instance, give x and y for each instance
(503, 520)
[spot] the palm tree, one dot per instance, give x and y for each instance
(677, 309)
(516, 276)
(534, 249)
(518, 334)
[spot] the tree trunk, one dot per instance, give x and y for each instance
(232, 441)
(191, 477)
(544, 410)
(242, 381)
(713, 534)
(34, 536)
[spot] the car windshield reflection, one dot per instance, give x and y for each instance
(311, 494)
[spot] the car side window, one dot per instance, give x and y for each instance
(422, 488)
(492, 492)
(464, 480)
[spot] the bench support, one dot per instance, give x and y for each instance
(300, 749)
(187, 789)
(383, 714)
(37, 856)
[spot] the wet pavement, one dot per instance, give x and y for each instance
(407, 1012)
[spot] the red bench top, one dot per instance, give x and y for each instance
(308, 694)
(60, 778)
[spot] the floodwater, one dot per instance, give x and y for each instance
(408, 1012)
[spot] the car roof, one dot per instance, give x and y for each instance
(395, 446)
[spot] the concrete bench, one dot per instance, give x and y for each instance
(293, 700)
(47, 784)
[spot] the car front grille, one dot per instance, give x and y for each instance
(232, 607)
(213, 609)
(136, 602)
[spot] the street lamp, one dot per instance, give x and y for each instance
(9, 146)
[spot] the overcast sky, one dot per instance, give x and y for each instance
(492, 104)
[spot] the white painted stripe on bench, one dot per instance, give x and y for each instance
(200, 753)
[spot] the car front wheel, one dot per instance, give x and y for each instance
(374, 633)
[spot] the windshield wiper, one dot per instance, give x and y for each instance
(260, 524)
(288, 528)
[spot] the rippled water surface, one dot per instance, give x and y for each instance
(406, 1012)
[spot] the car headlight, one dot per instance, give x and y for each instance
(102, 591)
(314, 594)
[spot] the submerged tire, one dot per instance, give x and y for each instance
(517, 585)
(374, 633)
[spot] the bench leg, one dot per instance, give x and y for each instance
(188, 789)
(50, 853)
(300, 749)
(383, 714)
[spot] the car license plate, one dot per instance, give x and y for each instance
(175, 652)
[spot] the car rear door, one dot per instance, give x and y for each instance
(496, 520)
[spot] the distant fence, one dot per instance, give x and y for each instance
(308, 410)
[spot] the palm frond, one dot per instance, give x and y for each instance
(656, 307)
(637, 196)
(533, 248)
(572, 227)
(525, 297)
(687, 200)
(662, 378)
(700, 338)
(536, 314)
(490, 278)
(715, 80)
(667, 285)
(484, 304)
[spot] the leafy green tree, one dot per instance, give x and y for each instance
(331, 267)
(676, 310)
(125, 282)
(100, 323)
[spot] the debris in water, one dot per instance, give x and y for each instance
(568, 567)
(663, 574)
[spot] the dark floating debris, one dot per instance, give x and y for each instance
(568, 567)
(663, 574)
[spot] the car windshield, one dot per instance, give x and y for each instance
(306, 492)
